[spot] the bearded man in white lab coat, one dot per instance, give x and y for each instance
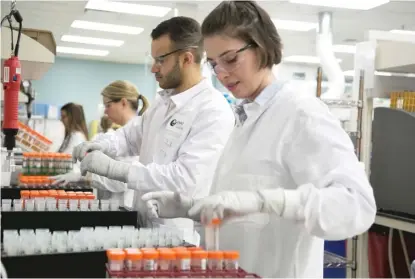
(180, 137)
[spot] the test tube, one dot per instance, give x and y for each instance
(212, 235)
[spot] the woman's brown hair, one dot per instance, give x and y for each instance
(76, 119)
(120, 89)
(247, 21)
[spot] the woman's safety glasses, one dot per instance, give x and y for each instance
(228, 62)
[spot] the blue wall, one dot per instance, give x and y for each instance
(81, 81)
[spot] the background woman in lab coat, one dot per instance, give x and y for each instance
(121, 100)
(105, 127)
(288, 177)
(73, 118)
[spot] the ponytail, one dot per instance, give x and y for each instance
(145, 104)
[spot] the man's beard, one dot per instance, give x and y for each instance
(173, 79)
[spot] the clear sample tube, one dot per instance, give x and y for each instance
(183, 258)
(212, 235)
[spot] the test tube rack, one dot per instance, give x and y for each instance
(240, 273)
(13, 192)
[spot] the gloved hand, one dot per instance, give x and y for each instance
(99, 163)
(226, 205)
(66, 178)
(166, 204)
(80, 151)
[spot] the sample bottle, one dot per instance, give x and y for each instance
(116, 259)
(183, 258)
(215, 260)
(133, 259)
(199, 260)
(150, 259)
(231, 259)
(167, 258)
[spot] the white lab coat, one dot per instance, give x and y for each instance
(71, 141)
(114, 189)
(179, 140)
(291, 140)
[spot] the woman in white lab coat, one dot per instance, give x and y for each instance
(73, 118)
(121, 100)
(288, 177)
(105, 127)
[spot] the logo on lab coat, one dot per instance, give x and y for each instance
(175, 121)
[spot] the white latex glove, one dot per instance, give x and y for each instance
(80, 151)
(226, 205)
(101, 164)
(166, 204)
(66, 178)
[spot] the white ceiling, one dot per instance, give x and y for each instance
(349, 25)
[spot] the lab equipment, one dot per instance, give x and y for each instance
(11, 85)
(231, 260)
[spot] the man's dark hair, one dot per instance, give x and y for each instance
(184, 32)
(247, 21)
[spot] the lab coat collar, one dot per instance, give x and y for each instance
(252, 108)
(180, 99)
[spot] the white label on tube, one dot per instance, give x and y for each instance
(185, 264)
(149, 265)
(203, 264)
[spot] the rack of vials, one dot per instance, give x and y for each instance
(176, 262)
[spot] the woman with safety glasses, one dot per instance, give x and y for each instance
(288, 178)
(122, 101)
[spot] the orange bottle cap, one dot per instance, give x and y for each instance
(116, 255)
(34, 194)
(215, 222)
(194, 248)
(44, 193)
(25, 193)
(90, 197)
(183, 254)
(133, 254)
(199, 254)
(150, 254)
(218, 255)
(167, 254)
(231, 255)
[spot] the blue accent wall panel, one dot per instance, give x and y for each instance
(81, 81)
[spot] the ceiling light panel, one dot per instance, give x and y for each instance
(91, 41)
(344, 48)
(105, 27)
(293, 25)
(127, 8)
(82, 51)
(304, 59)
(404, 32)
(343, 4)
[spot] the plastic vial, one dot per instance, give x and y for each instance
(166, 259)
(183, 258)
(199, 260)
(150, 259)
(116, 259)
(215, 260)
(231, 260)
(44, 164)
(37, 164)
(25, 164)
(133, 259)
(212, 235)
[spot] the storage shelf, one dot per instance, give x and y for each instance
(335, 261)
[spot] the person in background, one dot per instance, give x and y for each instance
(73, 119)
(121, 100)
(105, 125)
(289, 177)
(180, 137)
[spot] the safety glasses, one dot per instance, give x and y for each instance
(229, 61)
